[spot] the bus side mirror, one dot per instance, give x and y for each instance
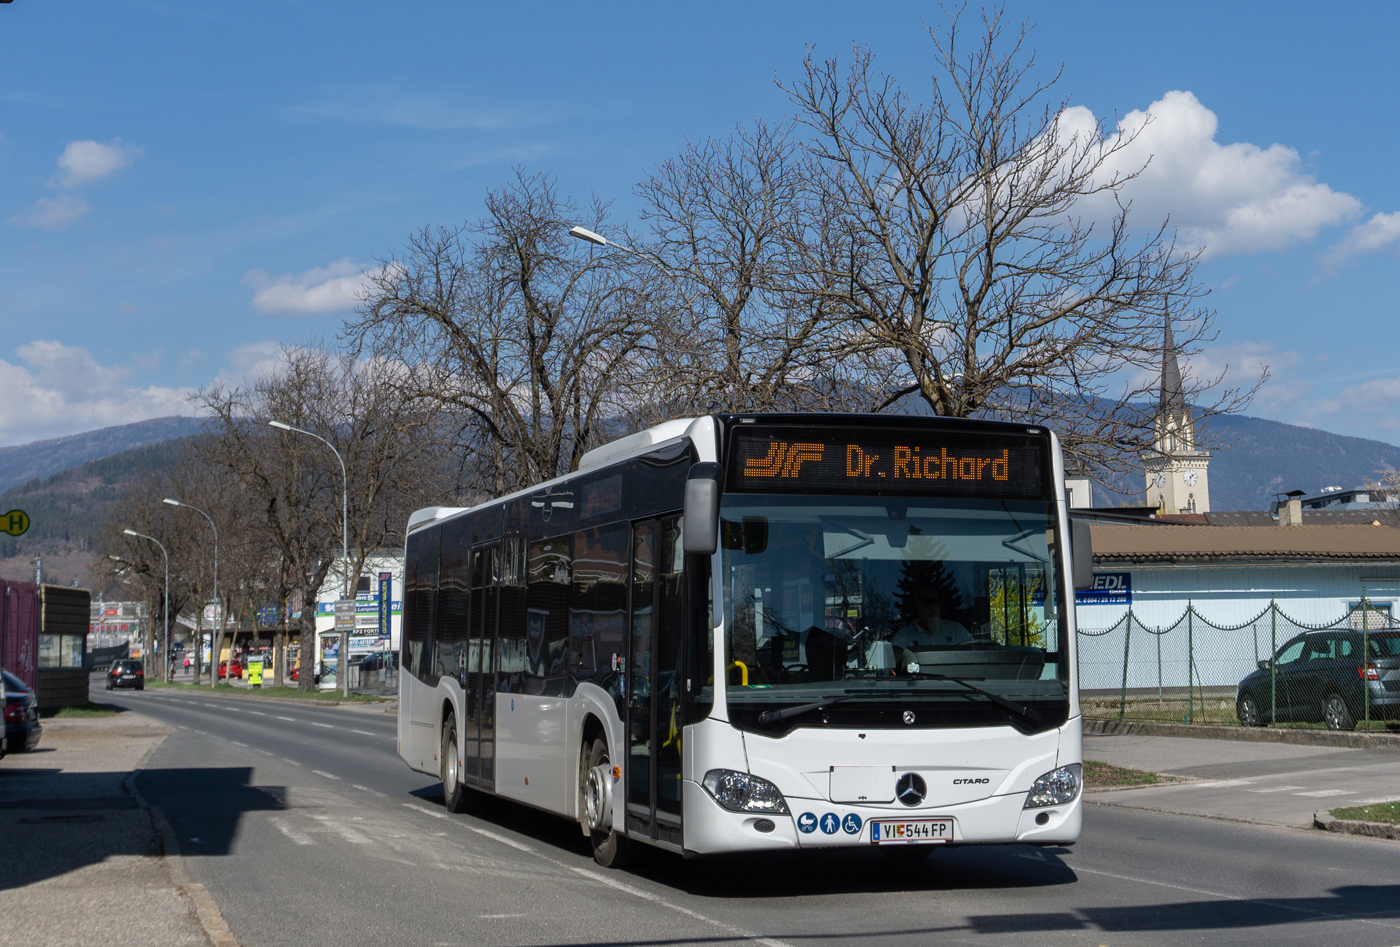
(1081, 547)
(700, 527)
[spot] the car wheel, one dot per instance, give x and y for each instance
(456, 797)
(1248, 712)
(1337, 715)
(610, 849)
(109, 683)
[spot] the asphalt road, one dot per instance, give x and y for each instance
(308, 830)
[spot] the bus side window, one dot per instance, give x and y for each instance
(420, 603)
(511, 659)
(598, 602)
(548, 574)
(453, 581)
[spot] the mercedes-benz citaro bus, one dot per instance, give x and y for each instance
(745, 632)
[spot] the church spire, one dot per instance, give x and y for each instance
(1173, 400)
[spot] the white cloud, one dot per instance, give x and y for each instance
(83, 162)
(1222, 198)
(335, 288)
(1372, 402)
(55, 389)
(1381, 232)
(51, 213)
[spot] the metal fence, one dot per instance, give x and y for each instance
(1190, 670)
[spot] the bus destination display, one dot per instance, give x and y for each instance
(815, 461)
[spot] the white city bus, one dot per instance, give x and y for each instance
(748, 632)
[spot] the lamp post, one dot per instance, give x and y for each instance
(344, 669)
(165, 652)
(218, 609)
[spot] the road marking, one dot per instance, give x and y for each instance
(1326, 792)
(236, 743)
(263, 752)
(1230, 897)
(500, 838)
(366, 733)
(1276, 789)
(326, 725)
(321, 772)
(291, 833)
(497, 917)
(292, 719)
(182, 728)
(285, 760)
(435, 815)
(366, 789)
(1220, 783)
(257, 713)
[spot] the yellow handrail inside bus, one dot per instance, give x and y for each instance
(743, 672)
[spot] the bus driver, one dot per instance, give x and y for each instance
(929, 628)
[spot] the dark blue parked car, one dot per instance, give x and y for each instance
(22, 728)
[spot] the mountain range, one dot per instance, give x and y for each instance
(67, 485)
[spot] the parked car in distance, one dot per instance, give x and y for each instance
(4, 737)
(1321, 677)
(126, 672)
(22, 727)
(230, 669)
(378, 660)
(296, 674)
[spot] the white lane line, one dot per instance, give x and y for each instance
(236, 743)
(285, 760)
(182, 728)
(366, 789)
(299, 837)
(1230, 897)
(257, 713)
(292, 719)
(497, 917)
(1275, 789)
(1218, 783)
(737, 932)
(263, 752)
(326, 725)
(321, 772)
(366, 733)
(1326, 792)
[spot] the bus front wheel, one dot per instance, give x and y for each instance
(610, 849)
(456, 796)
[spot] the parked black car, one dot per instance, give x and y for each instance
(22, 728)
(1320, 676)
(127, 673)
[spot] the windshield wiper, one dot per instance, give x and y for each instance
(1030, 713)
(773, 716)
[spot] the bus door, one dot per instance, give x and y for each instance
(479, 729)
(653, 685)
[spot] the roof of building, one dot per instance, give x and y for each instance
(1304, 543)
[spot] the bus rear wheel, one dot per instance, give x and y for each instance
(610, 849)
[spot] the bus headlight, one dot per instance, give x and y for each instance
(1056, 787)
(741, 792)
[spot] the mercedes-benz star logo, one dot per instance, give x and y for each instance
(908, 716)
(911, 789)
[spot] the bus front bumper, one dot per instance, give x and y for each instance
(809, 823)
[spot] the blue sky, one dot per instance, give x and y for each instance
(184, 186)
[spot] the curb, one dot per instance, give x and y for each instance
(1333, 738)
(205, 908)
(1325, 822)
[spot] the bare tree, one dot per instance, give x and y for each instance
(723, 216)
(527, 340)
(391, 467)
(960, 240)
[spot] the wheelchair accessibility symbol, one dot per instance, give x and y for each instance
(851, 824)
(807, 823)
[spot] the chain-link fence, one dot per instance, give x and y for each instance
(1270, 669)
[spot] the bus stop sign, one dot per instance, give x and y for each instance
(345, 615)
(15, 522)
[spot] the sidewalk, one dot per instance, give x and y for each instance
(1266, 783)
(83, 862)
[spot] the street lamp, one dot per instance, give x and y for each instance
(344, 668)
(165, 652)
(218, 610)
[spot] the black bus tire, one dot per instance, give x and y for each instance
(456, 796)
(610, 849)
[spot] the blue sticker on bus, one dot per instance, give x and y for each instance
(807, 823)
(830, 823)
(851, 824)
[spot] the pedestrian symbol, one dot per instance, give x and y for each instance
(807, 823)
(830, 823)
(851, 824)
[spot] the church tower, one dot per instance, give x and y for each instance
(1176, 470)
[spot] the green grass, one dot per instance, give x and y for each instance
(1379, 812)
(84, 711)
(1101, 775)
(1210, 710)
(294, 693)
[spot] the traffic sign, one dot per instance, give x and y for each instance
(15, 522)
(345, 615)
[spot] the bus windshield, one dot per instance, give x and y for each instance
(869, 611)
